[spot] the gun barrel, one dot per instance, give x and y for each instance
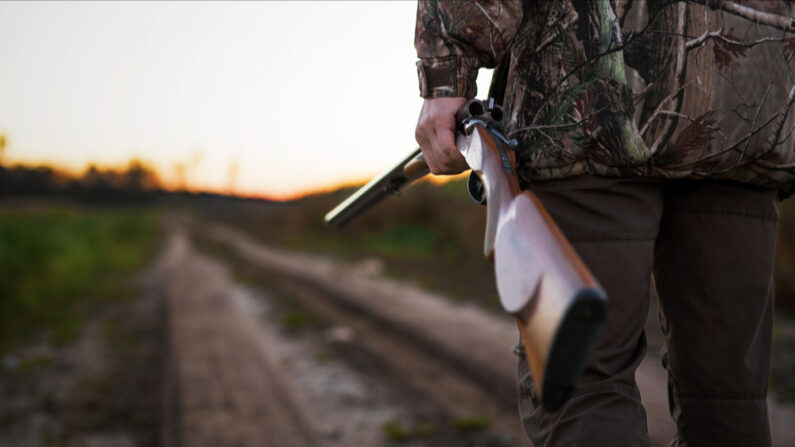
(411, 168)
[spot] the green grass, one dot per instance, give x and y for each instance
(55, 263)
(29, 365)
(322, 356)
(471, 423)
(395, 432)
(401, 241)
(424, 429)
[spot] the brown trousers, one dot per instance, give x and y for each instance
(710, 246)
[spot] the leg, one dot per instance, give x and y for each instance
(713, 267)
(612, 223)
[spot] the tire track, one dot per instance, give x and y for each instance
(226, 390)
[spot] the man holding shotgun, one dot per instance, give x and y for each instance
(659, 137)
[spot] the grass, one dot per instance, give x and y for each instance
(474, 423)
(55, 263)
(425, 429)
(394, 431)
(401, 241)
(30, 364)
(295, 320)
(322, 356)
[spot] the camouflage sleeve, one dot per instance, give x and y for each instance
(454, 38)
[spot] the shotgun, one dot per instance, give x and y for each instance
(558, 304)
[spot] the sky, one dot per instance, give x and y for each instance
(273, 98)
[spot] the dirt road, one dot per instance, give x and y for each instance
(388, 362)
(238, 380)
(226, 387)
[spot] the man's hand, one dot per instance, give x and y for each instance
(436, 135)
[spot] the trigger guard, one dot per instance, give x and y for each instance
(476, 190)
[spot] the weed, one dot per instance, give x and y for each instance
(322, 356)
(473, 423)
(30, 365)
(395, 432)
(424, 429)
(294, 320)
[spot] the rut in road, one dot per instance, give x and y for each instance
(425, 368)
(224, 388)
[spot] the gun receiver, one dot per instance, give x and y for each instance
(558, 305)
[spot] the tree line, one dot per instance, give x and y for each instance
(137, 182)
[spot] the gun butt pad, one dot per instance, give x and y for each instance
(572, 347)
(557, 358)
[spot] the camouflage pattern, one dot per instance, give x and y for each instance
(690, 89)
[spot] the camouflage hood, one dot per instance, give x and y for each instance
(691, 89)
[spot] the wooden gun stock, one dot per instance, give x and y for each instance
(558, 305)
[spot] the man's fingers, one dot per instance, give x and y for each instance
(438, 166)
(422, 137)
(431, 149)
(455, 162)
(442, 155)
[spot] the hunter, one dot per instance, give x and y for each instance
(659, 136)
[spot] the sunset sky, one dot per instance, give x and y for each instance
(268, 98)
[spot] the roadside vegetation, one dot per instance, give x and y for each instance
(56, 262)
(431, 234)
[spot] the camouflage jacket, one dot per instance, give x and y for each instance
(690, 89)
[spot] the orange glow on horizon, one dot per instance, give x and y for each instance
(168, 183)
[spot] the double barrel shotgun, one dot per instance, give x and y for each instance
(558, 305)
